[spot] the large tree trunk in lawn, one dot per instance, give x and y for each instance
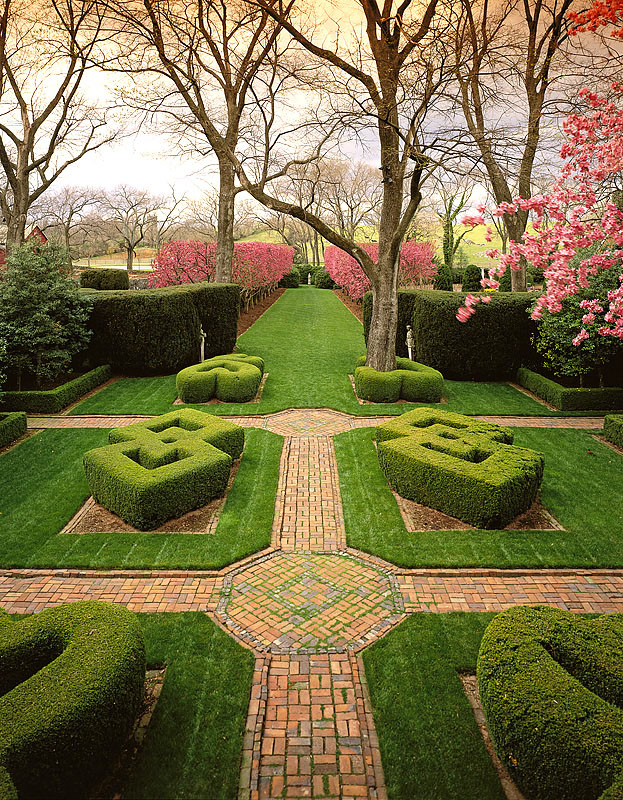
(516, 225)
(225, 234)
(382, 333)
(130, 260)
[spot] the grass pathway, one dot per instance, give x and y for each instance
(309, 341)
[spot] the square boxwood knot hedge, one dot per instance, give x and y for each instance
(234, 378)
(410, 381)
(161, 468)
(464, 467)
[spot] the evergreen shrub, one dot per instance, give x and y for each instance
(233, 378)
(51, 401)
(471, 279)
(105, 279)
(410, 381)
(12, 426)
(463, 467)
(322, 279)
(290, 280)
(613, 429)
(551, 685)
(71, 685)
(608, 398)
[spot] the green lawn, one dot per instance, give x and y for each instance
(42, 485)
(309, 341)
(581, 488)
(430, 744)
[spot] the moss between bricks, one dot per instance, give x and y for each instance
(71, 680)
(234, 378)
(569, 399)
(161, 468)
(411, 381)
(551, 685)
(463, 467)
(51, 401)
(12, 426)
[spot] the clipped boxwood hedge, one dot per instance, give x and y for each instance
(290, 280)
(105, 279)
(406, 299)
(156, 331)
(410, 381)
(613, 429)
(12, 426)
(233, 378)
(490, 346)
(322, 279)
(463, 467)
(161, 468)
(72, 681)
(551, 685)
(51, 401)
(609, 398)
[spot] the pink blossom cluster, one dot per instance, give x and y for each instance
(256, 266)
(416, 266)
(571, 218)
(465, 312)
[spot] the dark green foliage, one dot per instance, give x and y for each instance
(157, 330)
(471, 279)
(43, 316)
(322, 279)
(406, 300)
(460, 466)
(162, 468)
(12, 426)
(505, 281)
(570, 399)
(410, 381)
(536, 273)
(443, 278)
(551, 685)
(51, 401)
(492, 345)
(72, 681)
(105, 279)
(233, 378)
(291, 280)
(613, 429)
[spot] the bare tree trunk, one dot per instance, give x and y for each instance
(382, 333)
(130, 261)
(225, 234)
(16, 221)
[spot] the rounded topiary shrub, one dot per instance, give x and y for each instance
(72, 681)
(105, 279)
(290, 280)
(322, 279)
(234, 378)
(410, 381)
(443, 278)
(471, 279)
(551, 685)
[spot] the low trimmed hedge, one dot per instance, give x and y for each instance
(72, 681)
(613, 429)
(51, 401)
(290, 280)
(609, 398)
(551, 685)
(159, 469)
(12, 426)
(106, 279)
(406, 300)
(410, 381)
(463, 467)
(156, 331)
(234, 378)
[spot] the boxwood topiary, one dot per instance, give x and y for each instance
(105, 279)
(471, 279)
(565, 398)
(162, 468)
(290, 280)
(322, 279)
(551, 685)
(12, 426)
(410, 381)
(51, 401)
(613, 429)
(72, 681)
(234, 378)
(463, 467)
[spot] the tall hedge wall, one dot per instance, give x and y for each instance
(490, 346)
(156, 331)
(406, 299)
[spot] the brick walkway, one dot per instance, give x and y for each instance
(308, 605)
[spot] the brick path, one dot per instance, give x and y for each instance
(308, 605)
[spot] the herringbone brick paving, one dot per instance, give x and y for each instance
(307, 604)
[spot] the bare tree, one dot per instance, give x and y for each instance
(46, 125)
(130, 212)
(203, 216)
(60, 214)
(453, 199)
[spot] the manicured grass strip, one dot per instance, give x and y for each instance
(193, 746)
(42, 485)
(309, 342)
(581, 488)
(430, 744)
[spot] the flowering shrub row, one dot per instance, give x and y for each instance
(416, 267)
(257, 266)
